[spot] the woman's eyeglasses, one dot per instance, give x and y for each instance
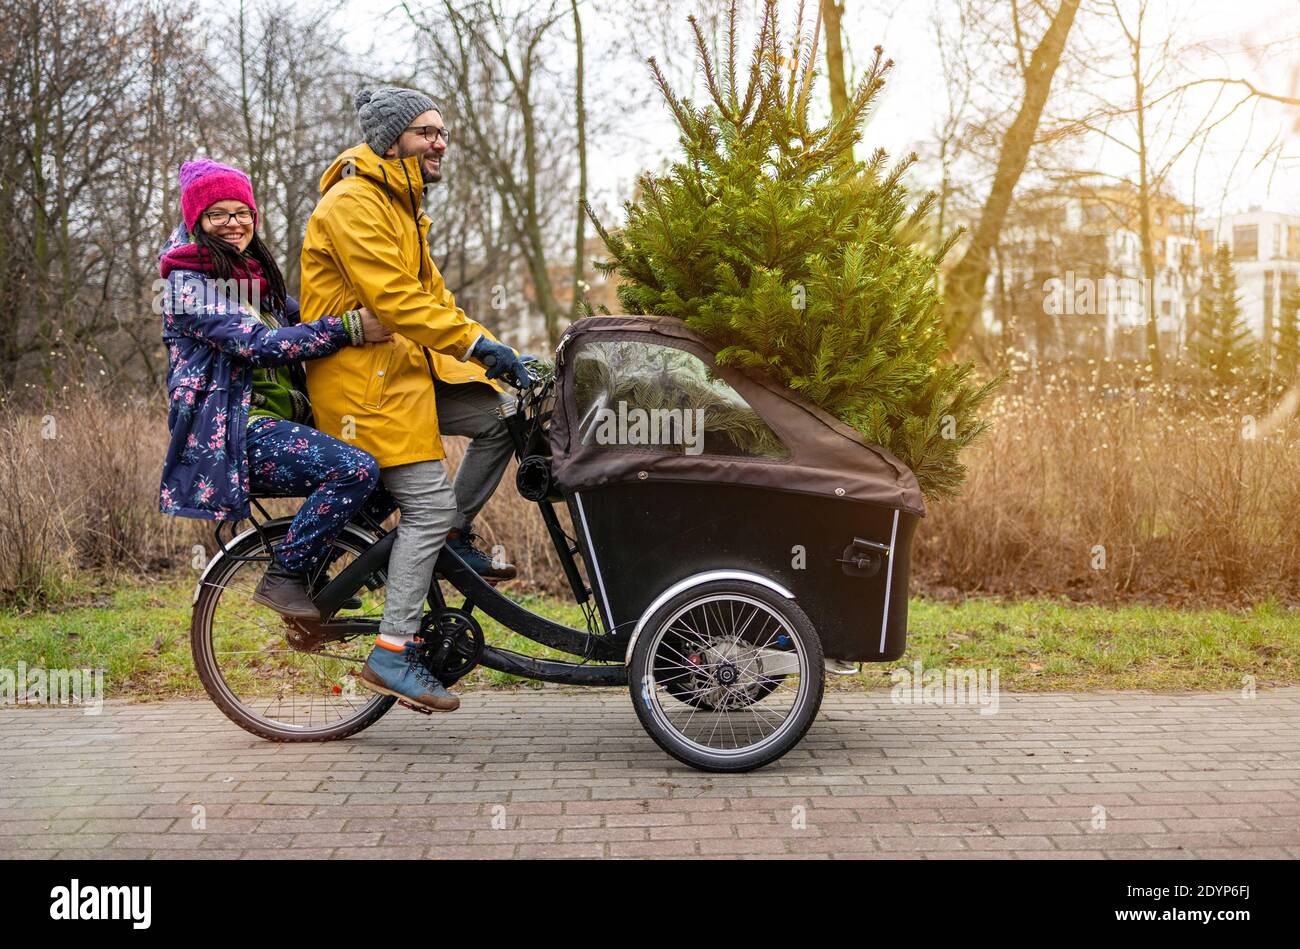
(431, 133)
(222, 218)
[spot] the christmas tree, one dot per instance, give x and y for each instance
(1221, 340)
(797, 261)
(1288, 335)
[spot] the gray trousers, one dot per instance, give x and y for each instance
(429, 504)
(470, 409)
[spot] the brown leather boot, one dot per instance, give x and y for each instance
(286, 593)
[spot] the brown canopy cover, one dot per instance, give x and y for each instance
(827, 457)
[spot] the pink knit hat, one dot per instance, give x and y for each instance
(205, 182)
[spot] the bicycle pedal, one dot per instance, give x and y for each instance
(415, 708)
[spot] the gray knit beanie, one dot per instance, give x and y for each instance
(386, 112)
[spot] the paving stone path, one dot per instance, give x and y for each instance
(559, 773)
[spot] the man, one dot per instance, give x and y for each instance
(365, 245)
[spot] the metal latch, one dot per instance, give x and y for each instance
(863, 558)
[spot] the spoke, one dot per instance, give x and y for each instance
(687, 665)
(268, 677)
(754, 611)
(770, 639)
(255, 617)
(759, 712)
(684, 658)
(704, 616)
(688, 630)
(680, 675)
(717, 716)
(257, 652)
(691, 715)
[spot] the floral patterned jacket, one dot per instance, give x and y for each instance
(213, 343)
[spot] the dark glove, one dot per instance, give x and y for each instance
(500, 360)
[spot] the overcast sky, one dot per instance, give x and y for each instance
(1221, 176)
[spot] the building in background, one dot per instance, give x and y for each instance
(1067, 277)
(1266, 258)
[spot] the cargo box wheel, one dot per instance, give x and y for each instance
(727, 676)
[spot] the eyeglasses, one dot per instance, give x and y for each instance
(431, 133)
(222, 218)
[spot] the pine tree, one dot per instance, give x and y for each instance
(800, 263)
(1288, 336)
(1222, 342)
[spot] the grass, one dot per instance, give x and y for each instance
(1057, 645)
(139, 634)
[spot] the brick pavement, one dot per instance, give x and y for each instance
(559, 773)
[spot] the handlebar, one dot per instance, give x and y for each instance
(489, 362)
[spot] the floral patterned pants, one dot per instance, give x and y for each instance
(337, 479)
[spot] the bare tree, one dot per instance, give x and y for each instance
(580, 111)
(290, 97)
(517, 121)
(832, 14)
(85, 138)
(1167, 112)
(965, 283)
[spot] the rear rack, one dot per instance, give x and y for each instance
(257, 526)
(255, 502)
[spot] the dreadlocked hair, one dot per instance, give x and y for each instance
(226, 261)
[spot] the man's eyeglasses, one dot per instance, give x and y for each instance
(222, 218)
(431, 133)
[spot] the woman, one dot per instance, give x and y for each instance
(239, 411)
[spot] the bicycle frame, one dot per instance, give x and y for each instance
(478, 594)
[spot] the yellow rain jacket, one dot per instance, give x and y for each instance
(365, 245)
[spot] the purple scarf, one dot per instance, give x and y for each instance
(194, 257)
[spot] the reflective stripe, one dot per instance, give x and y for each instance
(591, 547)
(889, 582)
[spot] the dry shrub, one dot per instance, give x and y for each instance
(1160, 481)
(79, 491)
(1098, 489)
(36, 554)
(111, 461)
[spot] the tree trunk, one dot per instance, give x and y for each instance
(579, 250)
(965, 284)
(40, 194)
(832, 16)
(1144, 223)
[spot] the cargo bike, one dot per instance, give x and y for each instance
(723, 538)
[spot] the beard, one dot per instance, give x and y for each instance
(430, 177)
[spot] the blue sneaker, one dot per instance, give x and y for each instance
(397, 670)
(462, 541)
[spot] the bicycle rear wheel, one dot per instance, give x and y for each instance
(264, 672)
